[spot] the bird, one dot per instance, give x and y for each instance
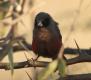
(47, 38)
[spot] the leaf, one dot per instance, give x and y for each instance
(62, 67)
(8, 44)
(48, 70)
(10, 57)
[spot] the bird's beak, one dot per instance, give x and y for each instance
(40, 24)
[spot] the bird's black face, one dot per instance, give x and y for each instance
(42, 20)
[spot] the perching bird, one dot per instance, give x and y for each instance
(47, 39)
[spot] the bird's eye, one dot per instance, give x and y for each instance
(46, 22)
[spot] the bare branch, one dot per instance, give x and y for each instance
(79, 59)
(24, 64)
(77, 77)
(30, 63)
(74, 51)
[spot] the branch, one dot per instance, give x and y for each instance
(79, 59)
(84, 57)
(70, 51)
(25, 64)
(30, 63)
(77, 77)
(74, 51)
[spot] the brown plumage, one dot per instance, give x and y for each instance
(47, 39)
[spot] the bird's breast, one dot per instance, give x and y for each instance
(46, 43)
(44, 35)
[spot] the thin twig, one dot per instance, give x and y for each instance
(28, 75)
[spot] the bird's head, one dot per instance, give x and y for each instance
(42, 20)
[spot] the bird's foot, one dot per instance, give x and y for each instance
(34, 60)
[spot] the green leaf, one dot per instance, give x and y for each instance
(48, 70)
(62, 67)
(10, 57)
